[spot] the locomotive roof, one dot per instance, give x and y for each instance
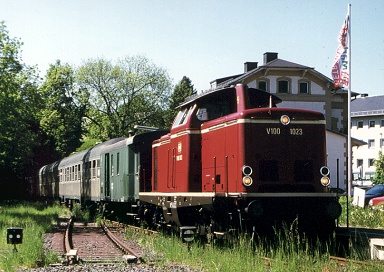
(262, 94)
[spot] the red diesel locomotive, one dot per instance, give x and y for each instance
(233, 161)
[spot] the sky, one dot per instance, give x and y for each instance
(201, 39)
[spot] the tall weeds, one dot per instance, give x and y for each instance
(35, 220)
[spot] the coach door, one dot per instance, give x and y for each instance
(107, 176)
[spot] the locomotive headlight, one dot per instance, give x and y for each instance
(324, 171)
(247, 181)
(247, 170)
(284, 119)
(325, 181)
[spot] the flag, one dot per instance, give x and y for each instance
(340, 68)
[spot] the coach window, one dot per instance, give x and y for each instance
(93, 170)
(67, 174)
(98, 168)
(118, 164)
(283, 86)
(72, 173)
(112, 167)
(75, 173)
(303, 87)
(78, 171)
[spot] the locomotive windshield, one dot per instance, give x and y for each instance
(217, 105)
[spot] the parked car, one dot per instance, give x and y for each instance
(376, 201)
(374, 192)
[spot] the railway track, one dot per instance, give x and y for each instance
(97, 244)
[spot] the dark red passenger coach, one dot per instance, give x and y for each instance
(234, 161)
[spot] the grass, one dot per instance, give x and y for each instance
(35, 219)
(289, 252)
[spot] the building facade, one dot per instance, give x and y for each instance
(300, 86)
(367, 117)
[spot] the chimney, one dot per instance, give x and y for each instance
(248, 66)
(269, 56)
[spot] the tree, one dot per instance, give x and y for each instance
(119, 96)
(19, 102)
(181, 91)
(61, 119)
(379, 174)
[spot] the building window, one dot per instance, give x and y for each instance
(360, 124)
(283, 86)
(381, 142)
(369, 175)
(371, 143)
(262, 85)
(382, 122)
(359, 162)
(371, 123)
(303, 88)
(371, 162)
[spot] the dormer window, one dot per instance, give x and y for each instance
(283, 86)
(263, 85)
(303, 87)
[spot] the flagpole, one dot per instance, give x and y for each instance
(349, 106)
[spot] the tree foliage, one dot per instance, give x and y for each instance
(19, 102)
(379, 174)
(181, 91)
(61, 119)
(118, 96)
